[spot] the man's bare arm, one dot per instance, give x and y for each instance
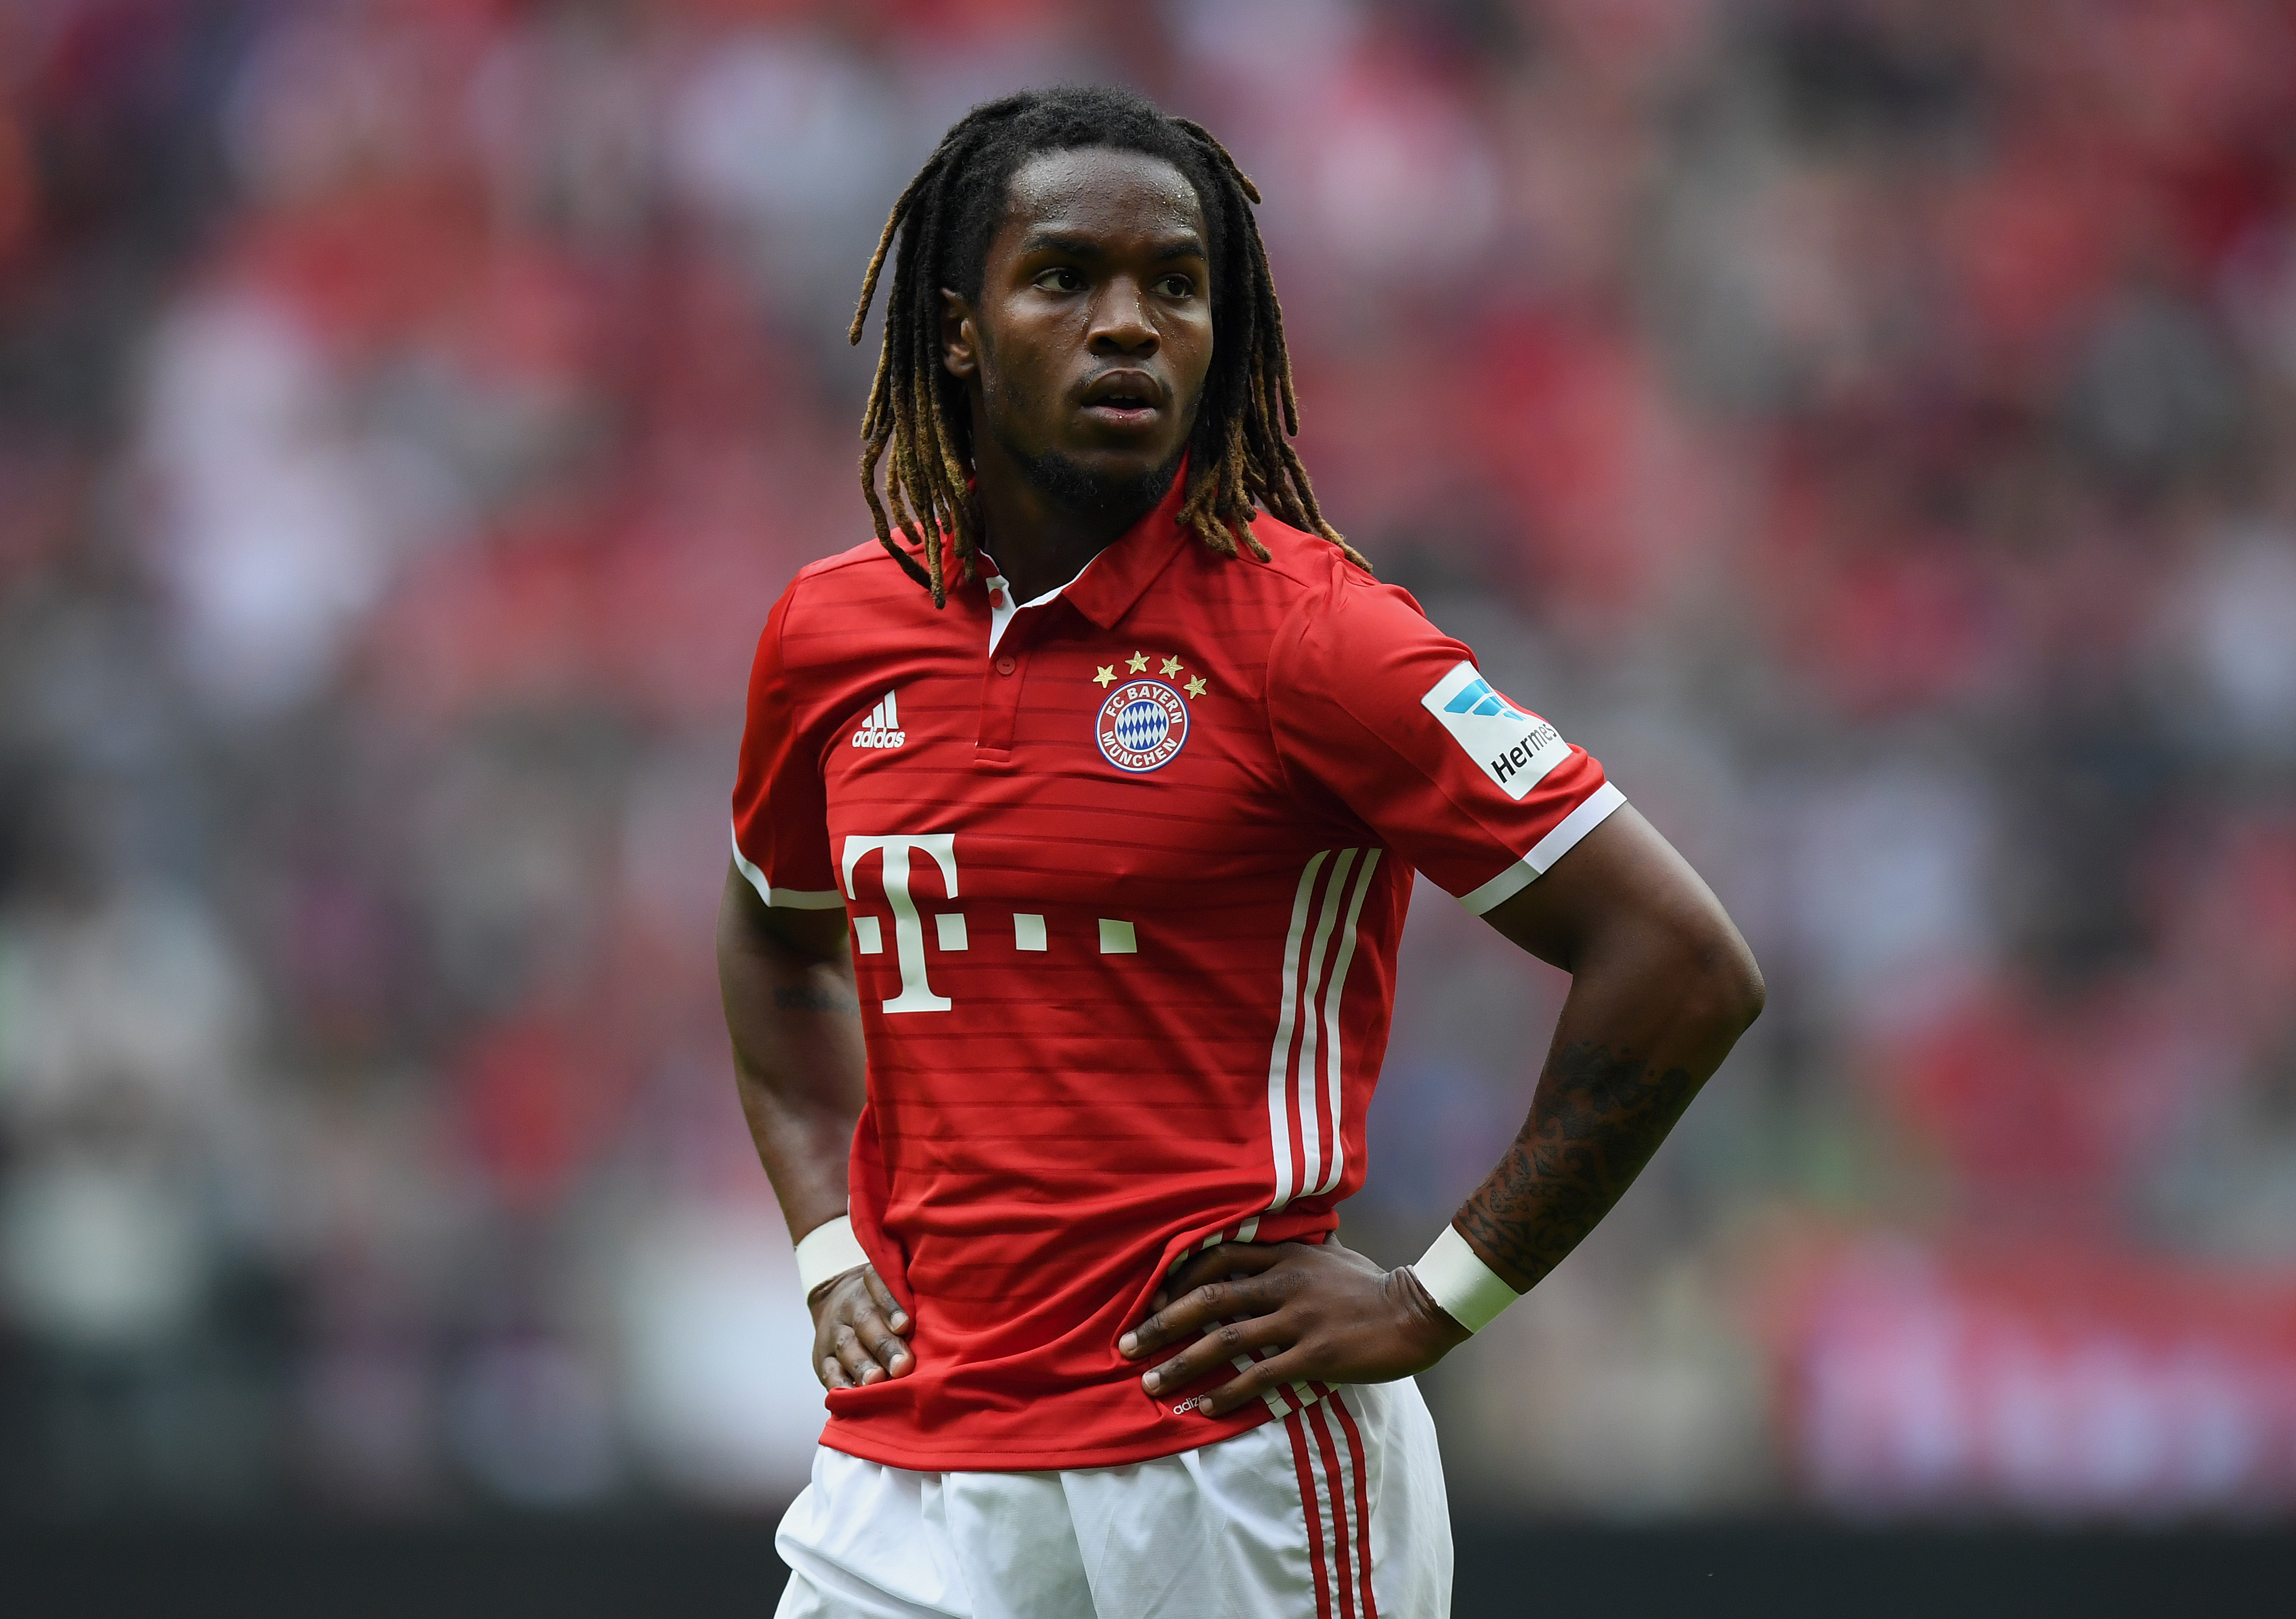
(1661, 987)
(786, 979)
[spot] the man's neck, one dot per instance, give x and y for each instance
(1040, 541)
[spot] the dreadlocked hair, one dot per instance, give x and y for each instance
(1239, 456)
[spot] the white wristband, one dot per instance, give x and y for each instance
(1470, 1291)
(826, 1253)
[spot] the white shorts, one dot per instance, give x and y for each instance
(1336, 1512)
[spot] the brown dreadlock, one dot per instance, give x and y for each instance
(1240, 453)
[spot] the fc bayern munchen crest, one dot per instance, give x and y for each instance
(1143, 726)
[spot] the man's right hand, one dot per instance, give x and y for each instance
(857, 1331)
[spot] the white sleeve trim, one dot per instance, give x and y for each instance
(790, 899)
(1553, 846)
(1469, 1291)
(826, 1253)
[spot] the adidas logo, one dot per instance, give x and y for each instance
(882, 728)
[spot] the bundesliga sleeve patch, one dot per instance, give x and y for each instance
(1514, 749)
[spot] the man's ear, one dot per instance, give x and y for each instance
(960, 339)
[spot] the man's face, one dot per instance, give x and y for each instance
(1087, 348)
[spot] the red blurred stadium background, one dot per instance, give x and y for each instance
(1867, 426)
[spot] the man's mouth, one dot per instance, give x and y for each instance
(1123, 399)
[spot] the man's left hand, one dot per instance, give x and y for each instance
(1329, 1314)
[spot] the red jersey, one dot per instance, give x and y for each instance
(1126, 869)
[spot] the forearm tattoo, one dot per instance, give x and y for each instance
(806, 998)
(1597, 1116)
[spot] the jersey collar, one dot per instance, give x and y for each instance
(1113, 581)
(1107, 586)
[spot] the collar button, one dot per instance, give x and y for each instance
(1006, 664)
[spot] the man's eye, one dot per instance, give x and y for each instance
(1061, 280)
(1177, 286)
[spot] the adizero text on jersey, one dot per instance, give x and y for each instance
(1125, 897)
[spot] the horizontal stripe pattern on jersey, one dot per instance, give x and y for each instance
(1125, 899)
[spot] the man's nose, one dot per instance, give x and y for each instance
(1120, 320)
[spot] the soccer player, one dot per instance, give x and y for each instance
(1075, 822)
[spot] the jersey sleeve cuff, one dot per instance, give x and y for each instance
(1591, 812)
(790, 899)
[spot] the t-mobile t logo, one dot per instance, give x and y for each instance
(908, 928)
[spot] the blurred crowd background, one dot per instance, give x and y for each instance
(1866, 425)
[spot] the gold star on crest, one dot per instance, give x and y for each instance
(1106, 676)
(1171, 666)
(1195, 685)
(1137, 662)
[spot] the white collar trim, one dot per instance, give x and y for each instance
(1000, 602)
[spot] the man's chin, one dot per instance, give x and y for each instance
(1101, 484)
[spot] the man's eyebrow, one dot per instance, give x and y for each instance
(1186, 245)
